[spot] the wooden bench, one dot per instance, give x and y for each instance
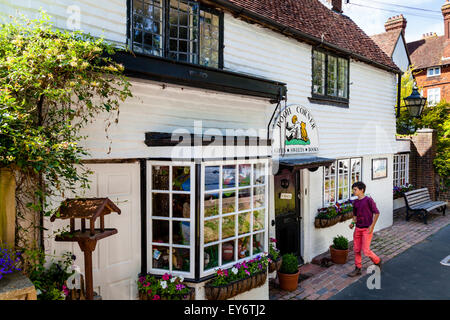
(419, 202)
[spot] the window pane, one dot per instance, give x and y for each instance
(258, 243)
(244, 175)
(258, 220)
(181, 259)
(211, 204)
(228, 227)
(181, 232)
(229, 177)
(181, 206)
(228, 202)
(343, 74)
(332, 76)
(181, 178)
(228, 252)
(160, 231)
(259, 173)
(211, 230)
(160, 258)
(160, 177)
(318, 72)
(160, 204)
(147, 27)
(211, 257)
(244, 199)
(244, 223)
(212, 176)
(209, 39)
(243, 247)
(258, 197)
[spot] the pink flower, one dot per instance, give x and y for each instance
(166, 277)
(141, 279)
(156, 297)
(273, 240)
(179, 287)
(246, 271)
(66, 291)
(220, 272)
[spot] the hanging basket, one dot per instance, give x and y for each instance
(275, 265)
(234, 288)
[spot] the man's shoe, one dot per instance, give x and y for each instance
(379, 264)
(354, 273)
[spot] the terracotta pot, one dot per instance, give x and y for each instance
(288, 282)
(338, 256)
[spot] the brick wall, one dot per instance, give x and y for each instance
(442, 81)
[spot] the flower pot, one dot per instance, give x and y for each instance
(288, 282)
(338, 256)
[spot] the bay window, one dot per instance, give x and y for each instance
(180, 30)
(339, 178)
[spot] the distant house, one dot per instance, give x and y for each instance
(393, 42)
(431, 59)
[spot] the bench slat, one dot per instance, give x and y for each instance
(419, 199)
(416, 191)
(429, 205)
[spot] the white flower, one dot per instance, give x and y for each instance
(181, 278)
(163, 284)
(234, 270)
(173, 279)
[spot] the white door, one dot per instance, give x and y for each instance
(116, 259)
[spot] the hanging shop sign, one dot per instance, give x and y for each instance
(295, 131)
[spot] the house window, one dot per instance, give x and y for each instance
(181, 30)
(171, 217)
(338, 179)
(433, 96)
(329, 76)
(234, 213)
(401, 169)
(433, 72)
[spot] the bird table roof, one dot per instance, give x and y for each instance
(87, 208)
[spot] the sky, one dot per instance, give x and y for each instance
(372, 19)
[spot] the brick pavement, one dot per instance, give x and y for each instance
(386, 243)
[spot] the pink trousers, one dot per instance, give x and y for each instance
(361, 242)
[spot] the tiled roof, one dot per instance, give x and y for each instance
(427, 52)
(314, 19)
(387, 41)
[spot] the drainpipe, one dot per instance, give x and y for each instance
(399, 91)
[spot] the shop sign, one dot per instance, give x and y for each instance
(295, 131)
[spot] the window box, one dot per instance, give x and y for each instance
(166, 288)
(331, 215)
(399, 191)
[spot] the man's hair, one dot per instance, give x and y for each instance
(360, 185)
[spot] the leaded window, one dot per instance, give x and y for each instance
(329, 75)
(181, 30)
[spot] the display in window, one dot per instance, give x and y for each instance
(181, 259)
(211, 230)
(228, 252)
(160, 204)
(258, 197)
(181, 205)
(245, 171)
(229, 177)
(181, 178)
(212, 178)
(228, 202)
(211, 204)
(181, 232)
(211, 257)
(160, 257)
(160, 177)
(244, 199)
(258, 220)
(243, 247)
(228, 226)
(258, 243)
(259, 173)
(244, 223)
(160, 231)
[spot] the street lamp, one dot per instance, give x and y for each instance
(415, 103)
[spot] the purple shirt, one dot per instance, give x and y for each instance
(364, 210)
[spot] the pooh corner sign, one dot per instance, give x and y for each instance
(294, 131)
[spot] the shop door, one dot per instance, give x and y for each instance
(287, 212)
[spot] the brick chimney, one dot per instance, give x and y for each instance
(336, 5)
(396, 23)
(446, 13)
(429, 35)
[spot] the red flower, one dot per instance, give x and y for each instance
(166, 277)
(156, 297)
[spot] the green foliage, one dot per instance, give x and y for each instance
(340, 243)
(53, 83)
(405, 124)
(289, 264)
(274, 253)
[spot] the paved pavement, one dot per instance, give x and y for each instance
(387, 244)
(414, 274)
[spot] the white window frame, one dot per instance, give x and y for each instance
(401, 169)
(435, 71)
(350, 175)
(433, 96)
(191, 220)
(252, 233)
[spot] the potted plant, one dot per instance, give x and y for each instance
(168, 287)
(339, 250)
(288, 273)
(274, 256)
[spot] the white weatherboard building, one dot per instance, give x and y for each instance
(240, 175)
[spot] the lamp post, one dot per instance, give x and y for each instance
(415, 103)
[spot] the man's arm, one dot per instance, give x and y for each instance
(375, 218)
